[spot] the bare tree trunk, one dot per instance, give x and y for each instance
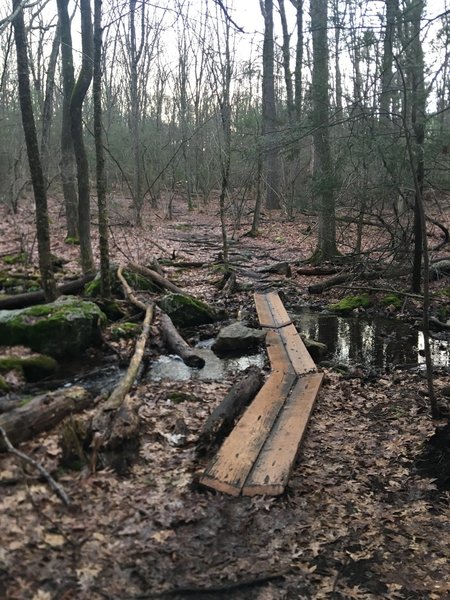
(298, 4)
(135, 56)
(323, 166)
(37, 176)
(386, 73)
(269, 108)
(286, 62)
(76, 120)
(67, 163)
(47, 108)
(100, 154)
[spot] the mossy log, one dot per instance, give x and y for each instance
(154, 276)
(32, 298)
(177, 344)
(221, 420)
(44, 412)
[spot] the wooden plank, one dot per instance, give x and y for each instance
(298, 354)
(272, 468)
(232, 464)
(270, 309)
(278, 356)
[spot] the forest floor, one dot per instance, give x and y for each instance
(359, 518)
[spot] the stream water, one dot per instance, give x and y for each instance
(378, 342)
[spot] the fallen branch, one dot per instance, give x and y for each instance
(32, 298)
(318, 288)
(59, 491)
(44, 412)
(217, 589)
(368, 288)
(161, 281)
(124, 386)
(223, 416)
(177, 344)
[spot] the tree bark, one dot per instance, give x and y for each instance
(323, 165)
(269, 108)
(221, 420)
(67, 163)
(177, 344)
(34, 161)
(100, 154)
(47, 109)
(76, 121)
(43, 412)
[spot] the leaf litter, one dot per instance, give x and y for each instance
(357, 521)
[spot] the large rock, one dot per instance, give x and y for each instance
(186, 311)
(237, 338)
(61, 328)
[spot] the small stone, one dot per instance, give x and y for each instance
(237, 338)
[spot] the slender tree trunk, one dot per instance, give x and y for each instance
(135, 115)
(67, 164)
(299, 60)
(47, 108)
(100, 153)
(286, 62)
(386, 73)
(323, 166)
(269, 108)
(76, 120)
(37, 176)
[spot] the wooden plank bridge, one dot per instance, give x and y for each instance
(258, 455)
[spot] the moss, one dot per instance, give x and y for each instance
(135, 281)
(125, 330)
(72, 241)
(64, 327)
(186, 311)
(4, 387)
(34, 367)
(392, 300)
(25, 400)
(349, 303)
(18, 284)
(14, 259)
(179, 397)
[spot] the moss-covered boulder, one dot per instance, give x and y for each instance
(392, 300)
(62, 328)
(349, 303)
(186, 311)
(134, 280)
(34, 367)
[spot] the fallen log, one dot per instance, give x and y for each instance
(32, 298)
(320, 287)
(317, 271)
(43, 412)
(177, 344)
(158, 279)
(221, 420)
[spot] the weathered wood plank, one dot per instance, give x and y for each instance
(229, 469)
(273, 466)
(270, 309)
(298, 354)
(278, 356)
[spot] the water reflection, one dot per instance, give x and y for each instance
(379, 342)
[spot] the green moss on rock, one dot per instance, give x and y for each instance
(392, 300)
(186, 311)
(61, 328)
(13, 259)
(34, 367)
(134, 280)
(4, 387)
(349, 303)
(125, 330)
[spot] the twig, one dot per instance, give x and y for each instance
(215, 589)
(59, 491)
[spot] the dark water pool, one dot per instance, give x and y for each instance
(378, 342)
